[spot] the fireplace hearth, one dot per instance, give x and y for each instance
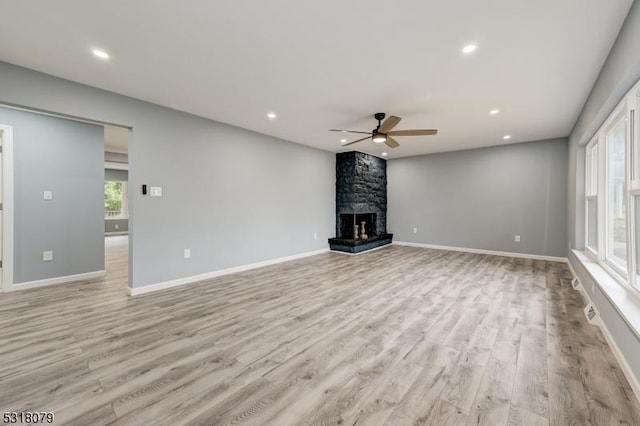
(361, 198)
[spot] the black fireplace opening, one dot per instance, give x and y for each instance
(348, 221)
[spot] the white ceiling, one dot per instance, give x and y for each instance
(331, 63)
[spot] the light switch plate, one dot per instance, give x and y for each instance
(156, 191)
(47, 195)
(47, 256)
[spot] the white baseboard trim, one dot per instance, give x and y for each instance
(136, 291)
(622, 361)
(482, 251)
(57, 280)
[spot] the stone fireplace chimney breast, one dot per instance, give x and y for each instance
(361, 196)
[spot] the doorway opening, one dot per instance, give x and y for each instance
(116, 199)
(61, 165)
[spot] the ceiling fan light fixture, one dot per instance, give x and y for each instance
(469, 48)
(379, 138)
(100, 54)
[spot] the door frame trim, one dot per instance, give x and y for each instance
(7, 207)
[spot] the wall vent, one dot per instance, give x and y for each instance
(592, 314)
(576, 284)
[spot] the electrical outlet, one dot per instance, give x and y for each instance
(415, 230)
(187, 253)
(47, 195)
(156, 191)
(116, 226)
(315, 235)
(517, 239)
(47, 256)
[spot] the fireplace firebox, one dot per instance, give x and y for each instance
(349, 220)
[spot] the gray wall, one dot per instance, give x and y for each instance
(482, 198)
(237, 196)
(116, 225)
(65, 157)
(618, 75)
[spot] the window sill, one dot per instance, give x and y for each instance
(625, 300)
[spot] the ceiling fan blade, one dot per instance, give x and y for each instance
(389, 124)
(415, 132)
(349, 131)
(391, 142)
(359, 140)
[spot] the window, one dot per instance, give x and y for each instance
(591, 192)
(115, 200)
(612, 193)
(616, 199)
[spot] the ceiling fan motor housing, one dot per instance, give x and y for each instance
(378, 116)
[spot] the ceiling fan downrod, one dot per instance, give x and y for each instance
(378, 116)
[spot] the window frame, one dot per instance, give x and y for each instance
(592, 167)
(124, 205)
(633, 139)
(596, 187)
(615, 119)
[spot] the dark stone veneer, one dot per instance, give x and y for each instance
(361, 187)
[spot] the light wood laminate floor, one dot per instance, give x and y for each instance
(397, 336)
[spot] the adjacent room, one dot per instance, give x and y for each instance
(348, 213)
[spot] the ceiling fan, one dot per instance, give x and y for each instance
(384, 134)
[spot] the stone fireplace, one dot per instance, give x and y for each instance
(361, 196)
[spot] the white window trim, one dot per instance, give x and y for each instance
(593, 251)
(614, 120)
(591, 192)
(628, 278)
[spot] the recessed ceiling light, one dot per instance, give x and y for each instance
(506, 137)
(384, 154)
(469, 48)
(343, 140)
(494, 111)
(271, 116)
(100, 54)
